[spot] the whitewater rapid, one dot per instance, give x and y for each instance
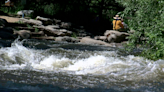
(97, 62)
(64, 66)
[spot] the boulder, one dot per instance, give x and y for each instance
(56, 21)
(67, 39)
(25, 12)
(115, 36)
(6, 33)
(4, 43)
(65, 25)
(3, 22)
(30, 21)
(44, 37)
(102, 38)
(51, 31)
(36, 34)
(45, 21)
(87, 40)
(7, 29)
(24, 34)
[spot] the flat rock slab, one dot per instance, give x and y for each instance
(10, 19)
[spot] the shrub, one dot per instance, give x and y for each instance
(146, 18)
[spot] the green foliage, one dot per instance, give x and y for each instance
(19, 22)
(29, 26)
(146, 18)
(51, 9)
(36, 29)
(74, 35)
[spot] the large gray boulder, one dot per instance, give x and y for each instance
(115, 36)
(45, 21)
(52, 31)
(102, 38)
(24, 34)
(30, 21)
(87, 40)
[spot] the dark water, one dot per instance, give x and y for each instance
(48, 66)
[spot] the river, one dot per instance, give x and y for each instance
(49, 66)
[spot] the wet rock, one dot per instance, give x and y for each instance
(44, 38)
(30, 21)
(24, 34)
(67, 39)
(6, 33)
(65, 25)
(87, 40)
(52, 31)
(115, 36)
(56, 21)
(4, 43)
(3, 22)
(45, 21)
(102, 38)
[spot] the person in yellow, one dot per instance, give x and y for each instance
(117, 23)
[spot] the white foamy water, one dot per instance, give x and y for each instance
(104, 62)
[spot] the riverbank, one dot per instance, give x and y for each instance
(57, 30)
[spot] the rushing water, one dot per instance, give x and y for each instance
(48, 66)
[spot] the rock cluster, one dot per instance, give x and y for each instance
(53, 29)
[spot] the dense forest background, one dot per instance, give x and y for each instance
(145, 17)
(94, 15)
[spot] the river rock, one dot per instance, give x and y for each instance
(87, 40)
(4, 43)
(6, 33)
(24, 34)
(52, 31)
(65, 25)
(56, 21)
(45, 21)
(25, 12)
(67, 39)
(44, 37)
(7, 29)
(3, 22)
(102, 38)
(30, 21)
(115, 36)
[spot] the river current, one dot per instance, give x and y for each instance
(49, 66)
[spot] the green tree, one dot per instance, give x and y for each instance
(146, 18)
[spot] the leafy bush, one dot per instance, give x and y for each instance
(146, 18)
